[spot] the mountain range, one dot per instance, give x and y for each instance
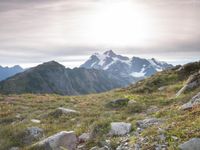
(131, 69)
(102, 72)
(52, 77)
(6, 72)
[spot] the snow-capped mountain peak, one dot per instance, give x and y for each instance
(105, 61)
(132, 68)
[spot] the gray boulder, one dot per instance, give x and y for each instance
(118, 102)
(192, 144)
(59, 141)
(120, 128)
(193, 102)
(148, 122)
(32, 134)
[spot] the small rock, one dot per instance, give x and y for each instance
(18, 116)
(95, 148)
(60, 111)
(120, 128)
(67, 140)
(14, 148)
(32, 134)
(175, 138)
(148, 122)
(35, 121)
(162, 88)
(118, 102)
(67, 111)
(192, 144)
(84, 137)
(130, 102)
(152, 109)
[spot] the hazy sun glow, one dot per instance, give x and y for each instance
(121, 23)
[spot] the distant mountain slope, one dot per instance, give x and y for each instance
(134, 68)
(6, 72)
(52, 77)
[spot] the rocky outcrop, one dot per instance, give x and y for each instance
(192, 144)
(120, 128)
(61, 140)
(192, 82)
(192, 103)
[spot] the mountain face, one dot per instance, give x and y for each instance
(132, 69)
(51, 77)
(6, 72)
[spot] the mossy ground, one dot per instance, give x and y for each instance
(16, 112)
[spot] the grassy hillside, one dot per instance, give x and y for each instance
(16, 112)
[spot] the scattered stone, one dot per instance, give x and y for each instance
(81, 147)
(148, 122)
(60, 111)
(32, 134)
(192, 144)
(130, 102)
(35, 121)
(193, 102)
(18, 116)
(95, 148)
(118, 102)
(162, 88)
(63, 139)
(120, 128)
(124, 145)
(98, 148)
(152, 109)
(160, 147)
(67, 111)
(84, 137)
(175, 138)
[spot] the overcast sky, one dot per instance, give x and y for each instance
(69, 31)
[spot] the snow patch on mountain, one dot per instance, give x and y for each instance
(138, 74)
